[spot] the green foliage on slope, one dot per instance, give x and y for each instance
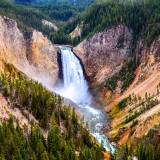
(123, 103)
(14, 145)
(30, 17)
(125, 76)
(140, 16)
(147, 149)
(26, 17)
(72, 142)
(80, 4)
(58, 12)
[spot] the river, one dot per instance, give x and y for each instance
(75, 88)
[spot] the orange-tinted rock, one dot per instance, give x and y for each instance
(107, 156)
(35, 56)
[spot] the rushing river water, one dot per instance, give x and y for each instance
(75, 88)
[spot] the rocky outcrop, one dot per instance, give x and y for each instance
(104, 53)
(77, 31)
(12, 46)
(34, 56)
(50, 25)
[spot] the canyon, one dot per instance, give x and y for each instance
(37, 58)
(102, 56)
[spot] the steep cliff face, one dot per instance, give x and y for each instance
(43, 56)
(35, 56)
(104, 53)
(32, 54)
(12, 46)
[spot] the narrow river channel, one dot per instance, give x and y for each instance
(75, 88)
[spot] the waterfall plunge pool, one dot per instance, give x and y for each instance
(75, 88)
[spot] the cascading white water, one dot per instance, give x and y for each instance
(75, 88)
(75, 85)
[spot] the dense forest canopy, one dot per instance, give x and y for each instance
(72, 142)
(140, 16)
(29, 17)
(80, 4)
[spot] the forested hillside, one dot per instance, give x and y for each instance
(118, 43)
(26, 17)
(76, 3)
(147, 149)
(66, 137)
(30, 17)
(142, 17)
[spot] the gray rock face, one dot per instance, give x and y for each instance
(36, 56)
(105, 52)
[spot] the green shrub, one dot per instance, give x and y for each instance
(123, 103)
(126, 76)
(111, 83)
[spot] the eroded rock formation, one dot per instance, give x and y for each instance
(105, 52)
(35, 55)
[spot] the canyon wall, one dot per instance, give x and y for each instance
(31, 53)
(34, 55)
(142, 111)
(103, 54)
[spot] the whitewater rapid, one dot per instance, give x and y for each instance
(75, 87)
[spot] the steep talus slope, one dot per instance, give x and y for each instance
(23, 117)
(104, 53)
(148, 72)
(35, 55)
(137, 110)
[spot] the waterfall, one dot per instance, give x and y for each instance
(75, 87)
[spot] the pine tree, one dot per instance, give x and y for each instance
(44, 156)
(2, 157)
